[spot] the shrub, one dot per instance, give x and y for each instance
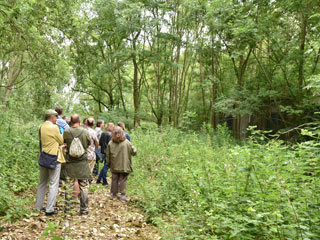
(207, 187)
(18, 165)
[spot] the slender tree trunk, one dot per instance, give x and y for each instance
(213, 92)
(136, 101)
(316, 62)
(136, 82)
(15, 68)
(303, 27)
(203, 94)
(240, 71)
(121, 91)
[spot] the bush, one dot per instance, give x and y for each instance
(116, 116)
(207, 187)
(18, 165)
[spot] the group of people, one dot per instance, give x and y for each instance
(78, 149)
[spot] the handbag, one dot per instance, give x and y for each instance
(47, 160)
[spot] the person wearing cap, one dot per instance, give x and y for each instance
(51, 140)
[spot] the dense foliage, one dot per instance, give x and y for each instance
(18, 165)
(190, 64)
(204, 186)
(194, 185)
(244, 62)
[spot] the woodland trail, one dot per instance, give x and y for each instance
(107, 219)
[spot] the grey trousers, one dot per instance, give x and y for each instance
(52, 176)
(119, 183)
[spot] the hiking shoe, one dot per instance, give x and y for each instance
(105, 183)
(98, 181)
(123, 198)
(113, 197)
(51, 213)
(84, 213)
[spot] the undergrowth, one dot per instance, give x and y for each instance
(18, 166)
(205, 186)
(194, 185)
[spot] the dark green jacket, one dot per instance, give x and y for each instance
(77, 168)
(118, 156)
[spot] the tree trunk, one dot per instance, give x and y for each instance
(203, 94)
(136, 88)
(303, 27)
(121, 92)
(15, 68)
(213, 93)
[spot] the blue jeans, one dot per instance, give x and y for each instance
(104, 170)
(96, 168)
(99, 157)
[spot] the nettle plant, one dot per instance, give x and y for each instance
(198, 187)
(18, 170)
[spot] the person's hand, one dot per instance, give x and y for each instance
(64, 146)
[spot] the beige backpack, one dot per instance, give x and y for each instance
(76, 149)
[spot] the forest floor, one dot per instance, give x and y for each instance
(107, 219)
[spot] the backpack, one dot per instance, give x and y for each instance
(76, 149)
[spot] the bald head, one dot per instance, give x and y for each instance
(90, 122)
(75, 120)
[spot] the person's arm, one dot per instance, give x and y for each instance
(133, 150)
(66, 125)
(64, 136)
(88, 139)
(95, 140)
(62, 123)
(103, 142)
(96, 143)
(128, 137)
(102, 139)
(108, 156)
(109, 138)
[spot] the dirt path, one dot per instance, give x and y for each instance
(107, 219)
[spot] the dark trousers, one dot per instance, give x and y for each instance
(103, 174)
(99, 157)
(104, 171)
(119, 183)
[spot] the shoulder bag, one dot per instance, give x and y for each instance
(46, 160)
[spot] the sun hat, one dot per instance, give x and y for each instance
(51, 112)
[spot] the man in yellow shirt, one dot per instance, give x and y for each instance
(51, 140)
